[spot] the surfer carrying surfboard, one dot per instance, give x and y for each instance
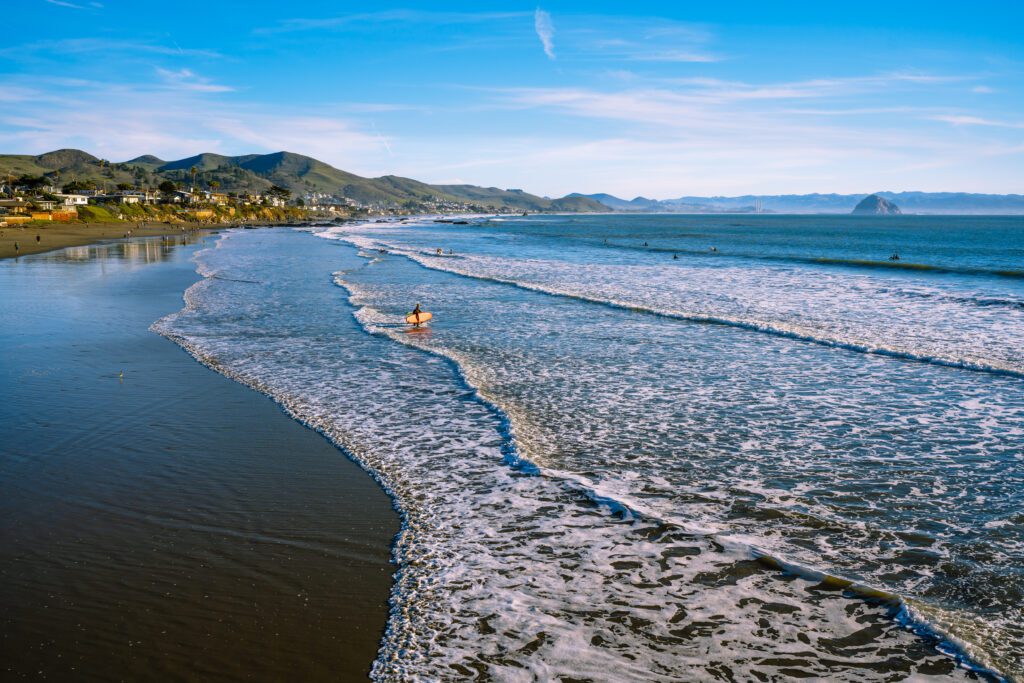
(418, 316)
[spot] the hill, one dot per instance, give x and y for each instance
(613, 202)
(873, 205)
(304, 176)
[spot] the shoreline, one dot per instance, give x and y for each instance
(171, 520)
(54, 236)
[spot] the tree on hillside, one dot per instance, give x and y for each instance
(167, 187)
(278, 191)
(193, 171)
(76, 186)
(125, 186)
(32, 182)
(214, 185)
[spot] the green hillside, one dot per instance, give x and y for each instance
(258, 172)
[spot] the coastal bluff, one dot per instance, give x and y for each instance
(873, 205)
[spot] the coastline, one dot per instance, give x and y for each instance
(56, 236)
(169, 521)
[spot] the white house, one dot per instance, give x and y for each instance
(119, 198)
(74, 199)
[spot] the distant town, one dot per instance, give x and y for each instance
(29, 199)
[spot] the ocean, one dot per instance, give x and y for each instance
(661, 447)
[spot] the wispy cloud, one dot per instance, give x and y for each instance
(709, 102)
(178, 123)
(545, 29)
(386, 17)
(71, 5)
(185, 79)
(672, 56)
(959, 120)
(637, 40)
(75, 46)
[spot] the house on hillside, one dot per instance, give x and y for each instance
(118, 198)
(183, 197)
(73, 199)
(14, 206)
(144, 196)
(218, 198)
(246, 198)
(44, 204)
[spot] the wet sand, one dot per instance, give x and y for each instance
(59, 235)
(170, 524)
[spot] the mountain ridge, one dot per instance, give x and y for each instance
(303, 175)
(966, 203)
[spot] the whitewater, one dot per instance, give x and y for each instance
(619, 455)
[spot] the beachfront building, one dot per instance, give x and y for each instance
(118, 198)
(44, 204)
(14, 206)
(73, 199)
(218, 198)
(250, 198)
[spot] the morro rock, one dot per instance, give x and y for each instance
(873, 205)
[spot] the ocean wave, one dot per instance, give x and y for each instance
(778, 329)
(849, 262)
(925, 621)
(500, 568)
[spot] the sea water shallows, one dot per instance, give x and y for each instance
(598, 483)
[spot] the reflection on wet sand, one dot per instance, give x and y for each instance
(149, 250)
(157, 520)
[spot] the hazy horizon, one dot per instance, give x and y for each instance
(557, 98)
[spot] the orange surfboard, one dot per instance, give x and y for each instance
(419, 318)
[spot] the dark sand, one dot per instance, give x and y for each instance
(53, 236)
(173, 525)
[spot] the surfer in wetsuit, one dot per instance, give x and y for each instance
(416, 312)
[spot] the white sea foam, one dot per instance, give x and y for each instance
(520, 573)
(875, 315)
(501, 378)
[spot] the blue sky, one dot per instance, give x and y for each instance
(658, 99)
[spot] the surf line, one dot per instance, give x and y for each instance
(297, 409)
(707, 319)
(899, 608)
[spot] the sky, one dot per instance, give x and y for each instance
(654, 99)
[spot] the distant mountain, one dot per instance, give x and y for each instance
(258, 172)
(910, 202)
(612, 202)
(873, 205)
(147, 160)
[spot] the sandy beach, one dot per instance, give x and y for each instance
(60, 235)
(160, 520)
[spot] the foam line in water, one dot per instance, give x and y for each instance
(376, 323)
(428, 261)
(824, 261)
(410, 626)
